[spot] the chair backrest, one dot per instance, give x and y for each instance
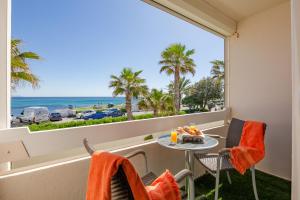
(235, 132)
(120, 189)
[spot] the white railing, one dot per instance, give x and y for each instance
(53, 141)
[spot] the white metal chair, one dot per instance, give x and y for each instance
(120, 188)
(215, 163)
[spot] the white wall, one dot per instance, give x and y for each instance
(296, 98)
(260, 81)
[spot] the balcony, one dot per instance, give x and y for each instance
(261, 83)
(74, 164)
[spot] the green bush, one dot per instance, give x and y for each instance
(123, 110)
(189, 111)
(51, 125)
(143, 116)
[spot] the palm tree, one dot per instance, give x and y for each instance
(157, 101)
(217, 70)
(184, 85)
(20, 70)
(177, 61)
(129, 84)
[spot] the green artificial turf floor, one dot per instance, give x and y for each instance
(269, 187)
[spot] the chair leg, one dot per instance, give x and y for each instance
(217, 185)
(217, 178)
(187, 167)
(228, 177)
(254, 182)
(192, 188)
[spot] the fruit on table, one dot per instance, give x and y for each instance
(180, 130)
(192, 130)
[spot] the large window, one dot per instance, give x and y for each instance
(77, 63)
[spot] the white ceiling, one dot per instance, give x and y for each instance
(240, 9)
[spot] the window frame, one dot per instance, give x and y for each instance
(5, 83)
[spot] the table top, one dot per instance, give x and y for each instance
(208, 144)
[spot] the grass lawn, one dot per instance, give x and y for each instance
(269, 187)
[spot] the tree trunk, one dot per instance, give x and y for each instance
(129, 107)
(204, 102)
(155, 113)
(177, 92)
(180, 97)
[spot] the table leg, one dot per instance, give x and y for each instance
(189, 164)
(187, 167)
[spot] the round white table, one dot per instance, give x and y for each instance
(189, 148)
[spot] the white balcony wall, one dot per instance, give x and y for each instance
(260, 84)
(67, 179)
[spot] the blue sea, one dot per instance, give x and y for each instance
(53, 103)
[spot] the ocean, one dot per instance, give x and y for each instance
(53, 103)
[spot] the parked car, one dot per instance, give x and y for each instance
(114, 112)
(14, 120)
(34, 115)
(110, 105)
(98, 115)
(55, 117)
(85, 113)
(66, 112)
(71, 107)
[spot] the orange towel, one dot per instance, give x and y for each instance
(104, 165)
(251, 148)
(164, 188)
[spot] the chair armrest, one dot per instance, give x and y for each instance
(136, 153)
(180, 176)
(224, 151)
(216, 136)
(87, 146)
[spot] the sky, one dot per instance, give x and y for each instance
(83, 42)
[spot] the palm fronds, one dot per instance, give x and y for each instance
(130, 84)
(176, 60)
(20, 69)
